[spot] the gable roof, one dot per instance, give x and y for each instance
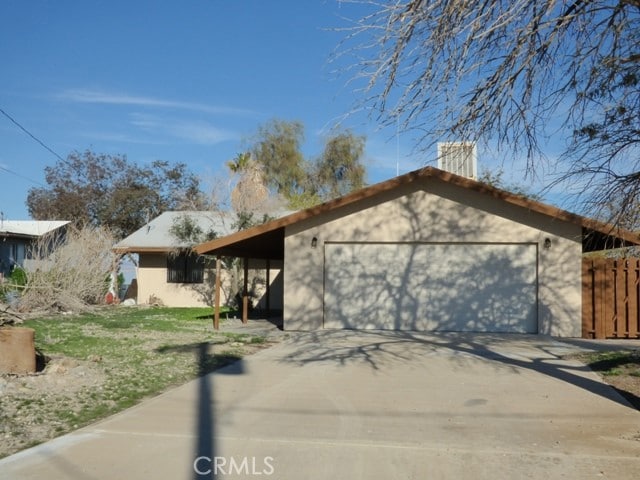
(267, 240)
(156, 235)
(29, 228)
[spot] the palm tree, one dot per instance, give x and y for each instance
(240, 163)
(250, 191)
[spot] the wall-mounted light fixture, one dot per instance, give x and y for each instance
(314, 242)
(547, 243)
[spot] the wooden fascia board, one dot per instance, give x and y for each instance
(544, 209)
(221, 243)
(122, 250)
(408, 178)
(17, 236)
(311, 212)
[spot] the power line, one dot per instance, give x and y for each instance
(15, 122)
(5, 169)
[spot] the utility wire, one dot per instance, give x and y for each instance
(5, 169)
(15, 122)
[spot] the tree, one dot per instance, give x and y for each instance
(279, 163)
(185, 229)
(250, 193)
(494, 179)
(103, 190)
(512, 72)
(277, 150)
(239, 163)
(339, 170)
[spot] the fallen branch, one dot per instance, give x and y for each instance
(8, 317)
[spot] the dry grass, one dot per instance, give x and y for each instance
(104, 362)
(620, 369)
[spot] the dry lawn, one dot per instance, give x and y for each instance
(102, 363)
(620, 369)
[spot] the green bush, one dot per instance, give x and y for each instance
(14, 284)
(18, 277)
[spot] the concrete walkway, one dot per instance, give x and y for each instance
(365, 405)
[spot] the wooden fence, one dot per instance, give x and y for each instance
(611, 298)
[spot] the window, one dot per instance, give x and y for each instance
(185, 268)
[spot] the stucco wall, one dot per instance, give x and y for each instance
(152, 281)
(258, 287)
(437, 212)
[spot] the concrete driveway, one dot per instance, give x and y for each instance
(370, 405)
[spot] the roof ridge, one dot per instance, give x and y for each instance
(408, 178)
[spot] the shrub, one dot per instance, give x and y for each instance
(68, 273)
(11, 288)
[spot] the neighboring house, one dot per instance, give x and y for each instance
(429, 251)
(16, 236)
(168, 272)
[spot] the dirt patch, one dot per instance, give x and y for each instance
(29, 402)
(620, 369)
(71, 392)
(627, 386)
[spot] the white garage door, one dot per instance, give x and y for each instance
(476, 287)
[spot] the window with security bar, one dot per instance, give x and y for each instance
(185, 268)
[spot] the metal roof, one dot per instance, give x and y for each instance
(156, 235)
(30, 228)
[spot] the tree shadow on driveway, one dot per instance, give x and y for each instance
(380, 348)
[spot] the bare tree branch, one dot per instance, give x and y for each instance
(510, 73)
(69, 273)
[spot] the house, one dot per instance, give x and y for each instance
(167, 270)
(16, 236)
(429, 251)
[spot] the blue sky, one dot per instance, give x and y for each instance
(184, 81)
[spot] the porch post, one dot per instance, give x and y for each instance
(216, 311)
(268, 293)
(245, 292)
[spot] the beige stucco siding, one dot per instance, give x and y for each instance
(153, 286)
(439, 213)
(258, 284)
(152, 282)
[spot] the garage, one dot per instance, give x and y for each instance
(474, 287)
(429, 251)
